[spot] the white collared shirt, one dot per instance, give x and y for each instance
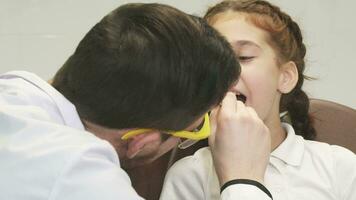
(45, 153)
(298, 170)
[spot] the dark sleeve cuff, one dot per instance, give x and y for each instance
(246, 181)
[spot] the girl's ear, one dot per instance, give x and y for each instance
(288, 78)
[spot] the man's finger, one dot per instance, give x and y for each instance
(228, 104)
(213, 124)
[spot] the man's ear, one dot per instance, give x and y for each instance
(288, 78)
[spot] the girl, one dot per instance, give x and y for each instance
(271, 52)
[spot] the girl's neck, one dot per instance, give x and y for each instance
(278, 134)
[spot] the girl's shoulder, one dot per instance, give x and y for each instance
(323, 149)
(338, 160)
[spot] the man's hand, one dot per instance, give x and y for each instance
(240, 142)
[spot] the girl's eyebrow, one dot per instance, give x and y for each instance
(243, 43)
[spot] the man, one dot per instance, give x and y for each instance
(142, 66)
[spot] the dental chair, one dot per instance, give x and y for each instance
(334, 123)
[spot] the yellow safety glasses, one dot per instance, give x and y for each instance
(193, 136)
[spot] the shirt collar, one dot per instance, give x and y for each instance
(291, 150)
(66, 109)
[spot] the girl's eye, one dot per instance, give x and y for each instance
(245, 58)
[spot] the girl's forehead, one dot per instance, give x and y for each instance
(237, 27)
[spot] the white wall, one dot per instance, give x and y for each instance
(39, 35)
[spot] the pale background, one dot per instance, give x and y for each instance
(39, 35)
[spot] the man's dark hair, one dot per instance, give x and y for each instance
(148, 66)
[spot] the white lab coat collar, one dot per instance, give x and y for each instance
(66, 109)
(291, 150)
